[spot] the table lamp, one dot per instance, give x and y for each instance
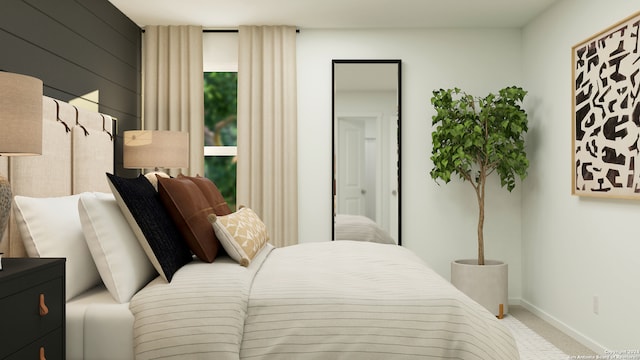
(20, 127)
(155, 149)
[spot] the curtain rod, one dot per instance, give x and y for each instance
(227, 30)
(224, 30)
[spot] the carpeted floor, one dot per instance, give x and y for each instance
(537, 339)
(531, 345)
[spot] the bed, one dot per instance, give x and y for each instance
(142, 283)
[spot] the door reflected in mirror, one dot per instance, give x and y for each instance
(366, 151)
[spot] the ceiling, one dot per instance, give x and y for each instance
(334, 14)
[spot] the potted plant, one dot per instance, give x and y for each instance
(475, 137)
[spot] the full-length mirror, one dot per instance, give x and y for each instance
(366, 150)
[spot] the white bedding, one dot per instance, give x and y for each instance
(98, 327)
(199, 315)
(330, 300)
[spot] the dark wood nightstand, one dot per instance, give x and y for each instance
(32, 309)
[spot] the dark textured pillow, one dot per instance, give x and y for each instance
(189, 209)
(152, 224)
(211, 193)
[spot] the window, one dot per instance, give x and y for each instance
(220, 60)
(220, 131)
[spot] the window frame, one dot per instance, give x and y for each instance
(220, 54)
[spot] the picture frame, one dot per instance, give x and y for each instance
(606, 112)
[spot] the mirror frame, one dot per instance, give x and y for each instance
(333, 139)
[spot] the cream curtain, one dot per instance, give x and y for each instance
(267, 128)
(173, 87)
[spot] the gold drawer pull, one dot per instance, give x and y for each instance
(44, 310)
(42, 357)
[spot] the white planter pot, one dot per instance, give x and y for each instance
(486, 284)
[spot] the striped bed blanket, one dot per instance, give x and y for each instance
(332, 300)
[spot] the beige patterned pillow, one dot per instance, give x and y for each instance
(242, 234)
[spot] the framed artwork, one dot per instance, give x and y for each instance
(606, 112)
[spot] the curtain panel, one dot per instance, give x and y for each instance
(173, 87)
(267, 168)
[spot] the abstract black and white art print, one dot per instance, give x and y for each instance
(606, 112)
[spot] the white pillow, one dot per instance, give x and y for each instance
(50, 227)
(121, 261)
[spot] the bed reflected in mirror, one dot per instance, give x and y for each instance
(366, 151)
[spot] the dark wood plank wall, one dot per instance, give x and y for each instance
(76, 47)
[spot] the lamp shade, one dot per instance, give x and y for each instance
(155, 149)
(20, 115)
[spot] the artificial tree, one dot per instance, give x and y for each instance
(476, 136)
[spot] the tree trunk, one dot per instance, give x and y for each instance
(481, 233)
(481, 194)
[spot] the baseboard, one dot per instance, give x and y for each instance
(576, 335)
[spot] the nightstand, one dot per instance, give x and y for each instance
(32, 309)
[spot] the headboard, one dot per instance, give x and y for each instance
(77, 151)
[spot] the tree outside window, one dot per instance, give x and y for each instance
(220, 131)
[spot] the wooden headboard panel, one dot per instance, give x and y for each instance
(77, 151)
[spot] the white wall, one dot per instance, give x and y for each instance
(574, 248)
(438, 222)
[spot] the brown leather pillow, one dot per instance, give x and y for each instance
(188, 207)
(211, 193)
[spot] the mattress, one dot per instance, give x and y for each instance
(98, 328)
